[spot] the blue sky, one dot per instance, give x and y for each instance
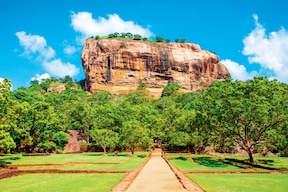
(41, 39)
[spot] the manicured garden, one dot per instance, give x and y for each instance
(90, 181)
(213, 173)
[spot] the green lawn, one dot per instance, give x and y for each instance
(201, 163)
(61, 182)
(124, 162)
(273, 162)
(241, 182)
(69, 182)
(186, 161)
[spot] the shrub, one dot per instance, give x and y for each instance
(159, 39)
(137, 37)
(61, 139)
(183, 40)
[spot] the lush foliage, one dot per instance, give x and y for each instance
(228, 116)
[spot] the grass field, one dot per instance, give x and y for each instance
(232, 182)
(69, 182)
(200, 163)
(241, 182)
(124, 162)
(205, 162)
(60, 182)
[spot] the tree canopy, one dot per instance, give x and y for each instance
(229, 115)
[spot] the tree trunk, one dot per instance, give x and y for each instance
(104, 153)
(250, 156)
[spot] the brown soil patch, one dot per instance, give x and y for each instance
(36, 154)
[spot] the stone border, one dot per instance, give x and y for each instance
(235, 172)
(187, 183)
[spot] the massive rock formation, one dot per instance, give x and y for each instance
(119, 66)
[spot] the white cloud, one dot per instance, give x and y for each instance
(41, 77)
(60, 69)
(238, 71)
(35, 45)
(1, 79)
(69, 50)
(268, 49)
(84, 23)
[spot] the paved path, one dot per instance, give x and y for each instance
(156, 175)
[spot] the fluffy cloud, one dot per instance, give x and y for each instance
(60, 69)
(36, 46)
(268, 49)
(84, 23)
(238, 71)
(1, 79)
(69, 50)
(41, 77)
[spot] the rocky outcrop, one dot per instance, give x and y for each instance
(119, 66)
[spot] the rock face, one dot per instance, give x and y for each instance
(119, 66)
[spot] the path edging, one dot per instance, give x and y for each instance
(187, 183)
(128, 179)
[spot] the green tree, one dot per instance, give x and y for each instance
(134, 134)
(159, 39)
(6, 141)
(129, 35)
(243, 113)
(137, 37)
(104, 138)
(170, 88)
(182, 40)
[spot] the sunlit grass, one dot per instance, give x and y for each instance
(241, 182)
(60, 182)
(200, 163)
(187, 161)
(67, 158)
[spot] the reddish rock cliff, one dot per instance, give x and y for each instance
(119, 66)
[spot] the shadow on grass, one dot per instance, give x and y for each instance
(94, 154)
(6, 161)
(247, 164)
(181, 158)
(209, 162)
(266, 161)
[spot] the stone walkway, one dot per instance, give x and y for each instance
(158, 175)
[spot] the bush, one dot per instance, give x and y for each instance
(61, 139)
(183, 40)
(137, 37)
(159, 39)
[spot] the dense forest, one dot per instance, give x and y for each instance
(227, 117)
